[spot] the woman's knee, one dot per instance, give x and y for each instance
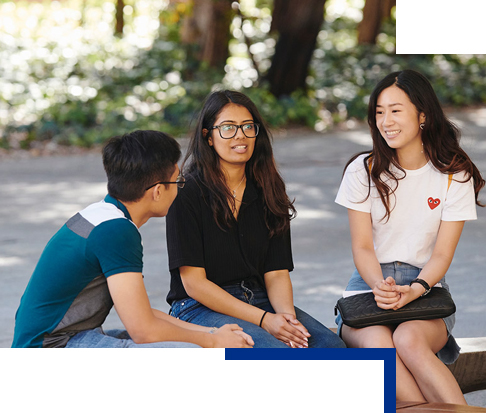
(411, 342)
(368, 337)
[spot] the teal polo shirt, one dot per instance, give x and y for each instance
(68, 292)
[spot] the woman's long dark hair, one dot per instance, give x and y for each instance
(261, 168)
(440, 137)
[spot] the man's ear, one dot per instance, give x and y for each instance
(156, 192)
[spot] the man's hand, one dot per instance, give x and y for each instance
(231, 336)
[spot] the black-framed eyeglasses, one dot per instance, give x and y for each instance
(229, 130)
(180, 181)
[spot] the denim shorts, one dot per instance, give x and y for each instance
(403, 273)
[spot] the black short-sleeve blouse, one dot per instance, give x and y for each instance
(243, 251)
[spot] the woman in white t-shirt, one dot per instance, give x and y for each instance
(407, 202)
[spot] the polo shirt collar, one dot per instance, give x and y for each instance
(109, 199)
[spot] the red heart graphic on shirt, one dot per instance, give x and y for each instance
(433, 203)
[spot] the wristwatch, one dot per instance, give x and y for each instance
(423, 283)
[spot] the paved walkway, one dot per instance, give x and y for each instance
(38, 195)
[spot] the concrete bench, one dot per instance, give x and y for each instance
(470, 368)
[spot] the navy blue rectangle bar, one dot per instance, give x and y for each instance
(388, 355)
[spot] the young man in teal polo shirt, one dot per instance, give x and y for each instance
(95, 261)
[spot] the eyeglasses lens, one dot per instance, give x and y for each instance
(250, 130)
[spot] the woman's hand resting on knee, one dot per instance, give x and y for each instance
(287, 329)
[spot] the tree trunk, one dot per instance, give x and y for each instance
(298, 23)
(374, 12)
(119, 22)
(208, 28)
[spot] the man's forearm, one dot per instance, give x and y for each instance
(180, 323)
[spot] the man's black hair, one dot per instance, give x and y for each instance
(137, 160)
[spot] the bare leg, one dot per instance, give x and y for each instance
(417, 343)
(382, 337)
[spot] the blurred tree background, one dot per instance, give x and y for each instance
(76, 72)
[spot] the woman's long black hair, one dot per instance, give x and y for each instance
(440, 137)
(203, 164)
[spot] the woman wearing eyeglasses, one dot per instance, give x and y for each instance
(228, 232)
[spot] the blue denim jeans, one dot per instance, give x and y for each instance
(97, 338)
(192, 311)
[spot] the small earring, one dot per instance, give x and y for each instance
(422, 126)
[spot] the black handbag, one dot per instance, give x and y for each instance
(361, 310)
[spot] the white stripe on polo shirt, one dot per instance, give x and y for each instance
(101, 212)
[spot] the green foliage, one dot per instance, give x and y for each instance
(83, 85)
(346, 77)
(298, 108)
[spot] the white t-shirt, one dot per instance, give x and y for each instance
(421, 201)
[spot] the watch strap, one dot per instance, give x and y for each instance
(423, 283)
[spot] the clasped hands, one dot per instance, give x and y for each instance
(390, 296)
(287, 329)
